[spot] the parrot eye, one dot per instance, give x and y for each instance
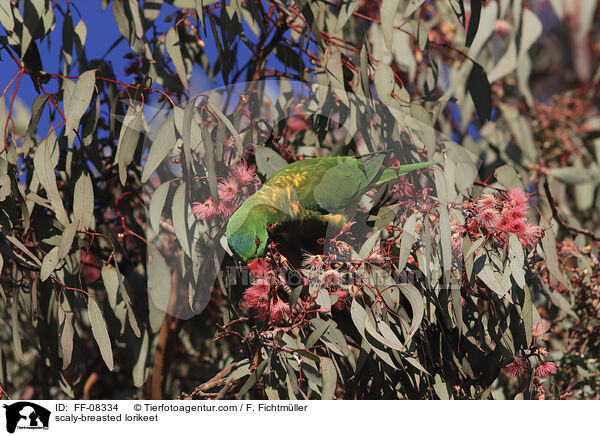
(257, 241)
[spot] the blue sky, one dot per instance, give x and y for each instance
(102, 31)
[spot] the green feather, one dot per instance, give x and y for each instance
(303, 195)
(391, 173)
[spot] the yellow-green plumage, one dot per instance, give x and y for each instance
(321, 190)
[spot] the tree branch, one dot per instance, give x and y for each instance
(563, 223)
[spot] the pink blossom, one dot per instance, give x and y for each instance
(486, 201)
(545, 369)
(259, 268)
(206, 210)
(514, 206)
(280, 311)
(257, 297)
(377, 257)
(258, 292)
(226, 209)
(489, 217)
(517, 227)
(331, 278)
(244, 174)
(512, 224)
(312, 262)
(517, 368)
(228, 190)
(530, 236)
(516, 212)
(516, 197)
(504, 223)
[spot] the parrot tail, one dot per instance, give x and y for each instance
(391, 173)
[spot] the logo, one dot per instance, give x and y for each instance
(26, 415)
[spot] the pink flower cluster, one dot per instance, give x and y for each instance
(521, 365)
(545, 369)
(507, 213)
(517, 368)
(328, 278)
(230, 191)
(267, 296)
(262, 296)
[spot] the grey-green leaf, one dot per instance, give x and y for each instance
(268, 161)
(100, 332)
(6, 15)
(67, 240)
(551, 256)
(80, 100)
(253, 378)
(172, 43)
(161, 147)
(317, 332)
(408, 238)
(157, 203)
(128, 140)
(16, 336)
(83, 203)
(159, 279)
(412, 6)
(329, 378)
(44, 164)
(388, 13)
(179, 213)
(415, 299)
(575, 176)
(66, 337)
(110, 279)
(36, 113)
(229, 125)
(508, 177)
(346, 11)
(335, 72)
(49, 264)
(139, 369)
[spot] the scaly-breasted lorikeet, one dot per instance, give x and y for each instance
(321, 191)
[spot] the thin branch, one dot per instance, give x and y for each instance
(562, 222)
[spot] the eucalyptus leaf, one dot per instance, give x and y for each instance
(83, 203)
(329, 378)
(163, 143)
(268, 161)
(100, 332)
(172, 44)
(80, 100)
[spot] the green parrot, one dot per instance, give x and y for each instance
(323, 191)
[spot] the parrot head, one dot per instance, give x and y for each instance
(249, 244)
(247, 235)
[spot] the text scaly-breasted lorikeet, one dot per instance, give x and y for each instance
(309, 192)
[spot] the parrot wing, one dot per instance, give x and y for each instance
(340, 185)
(330, 184)
(312, 181)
